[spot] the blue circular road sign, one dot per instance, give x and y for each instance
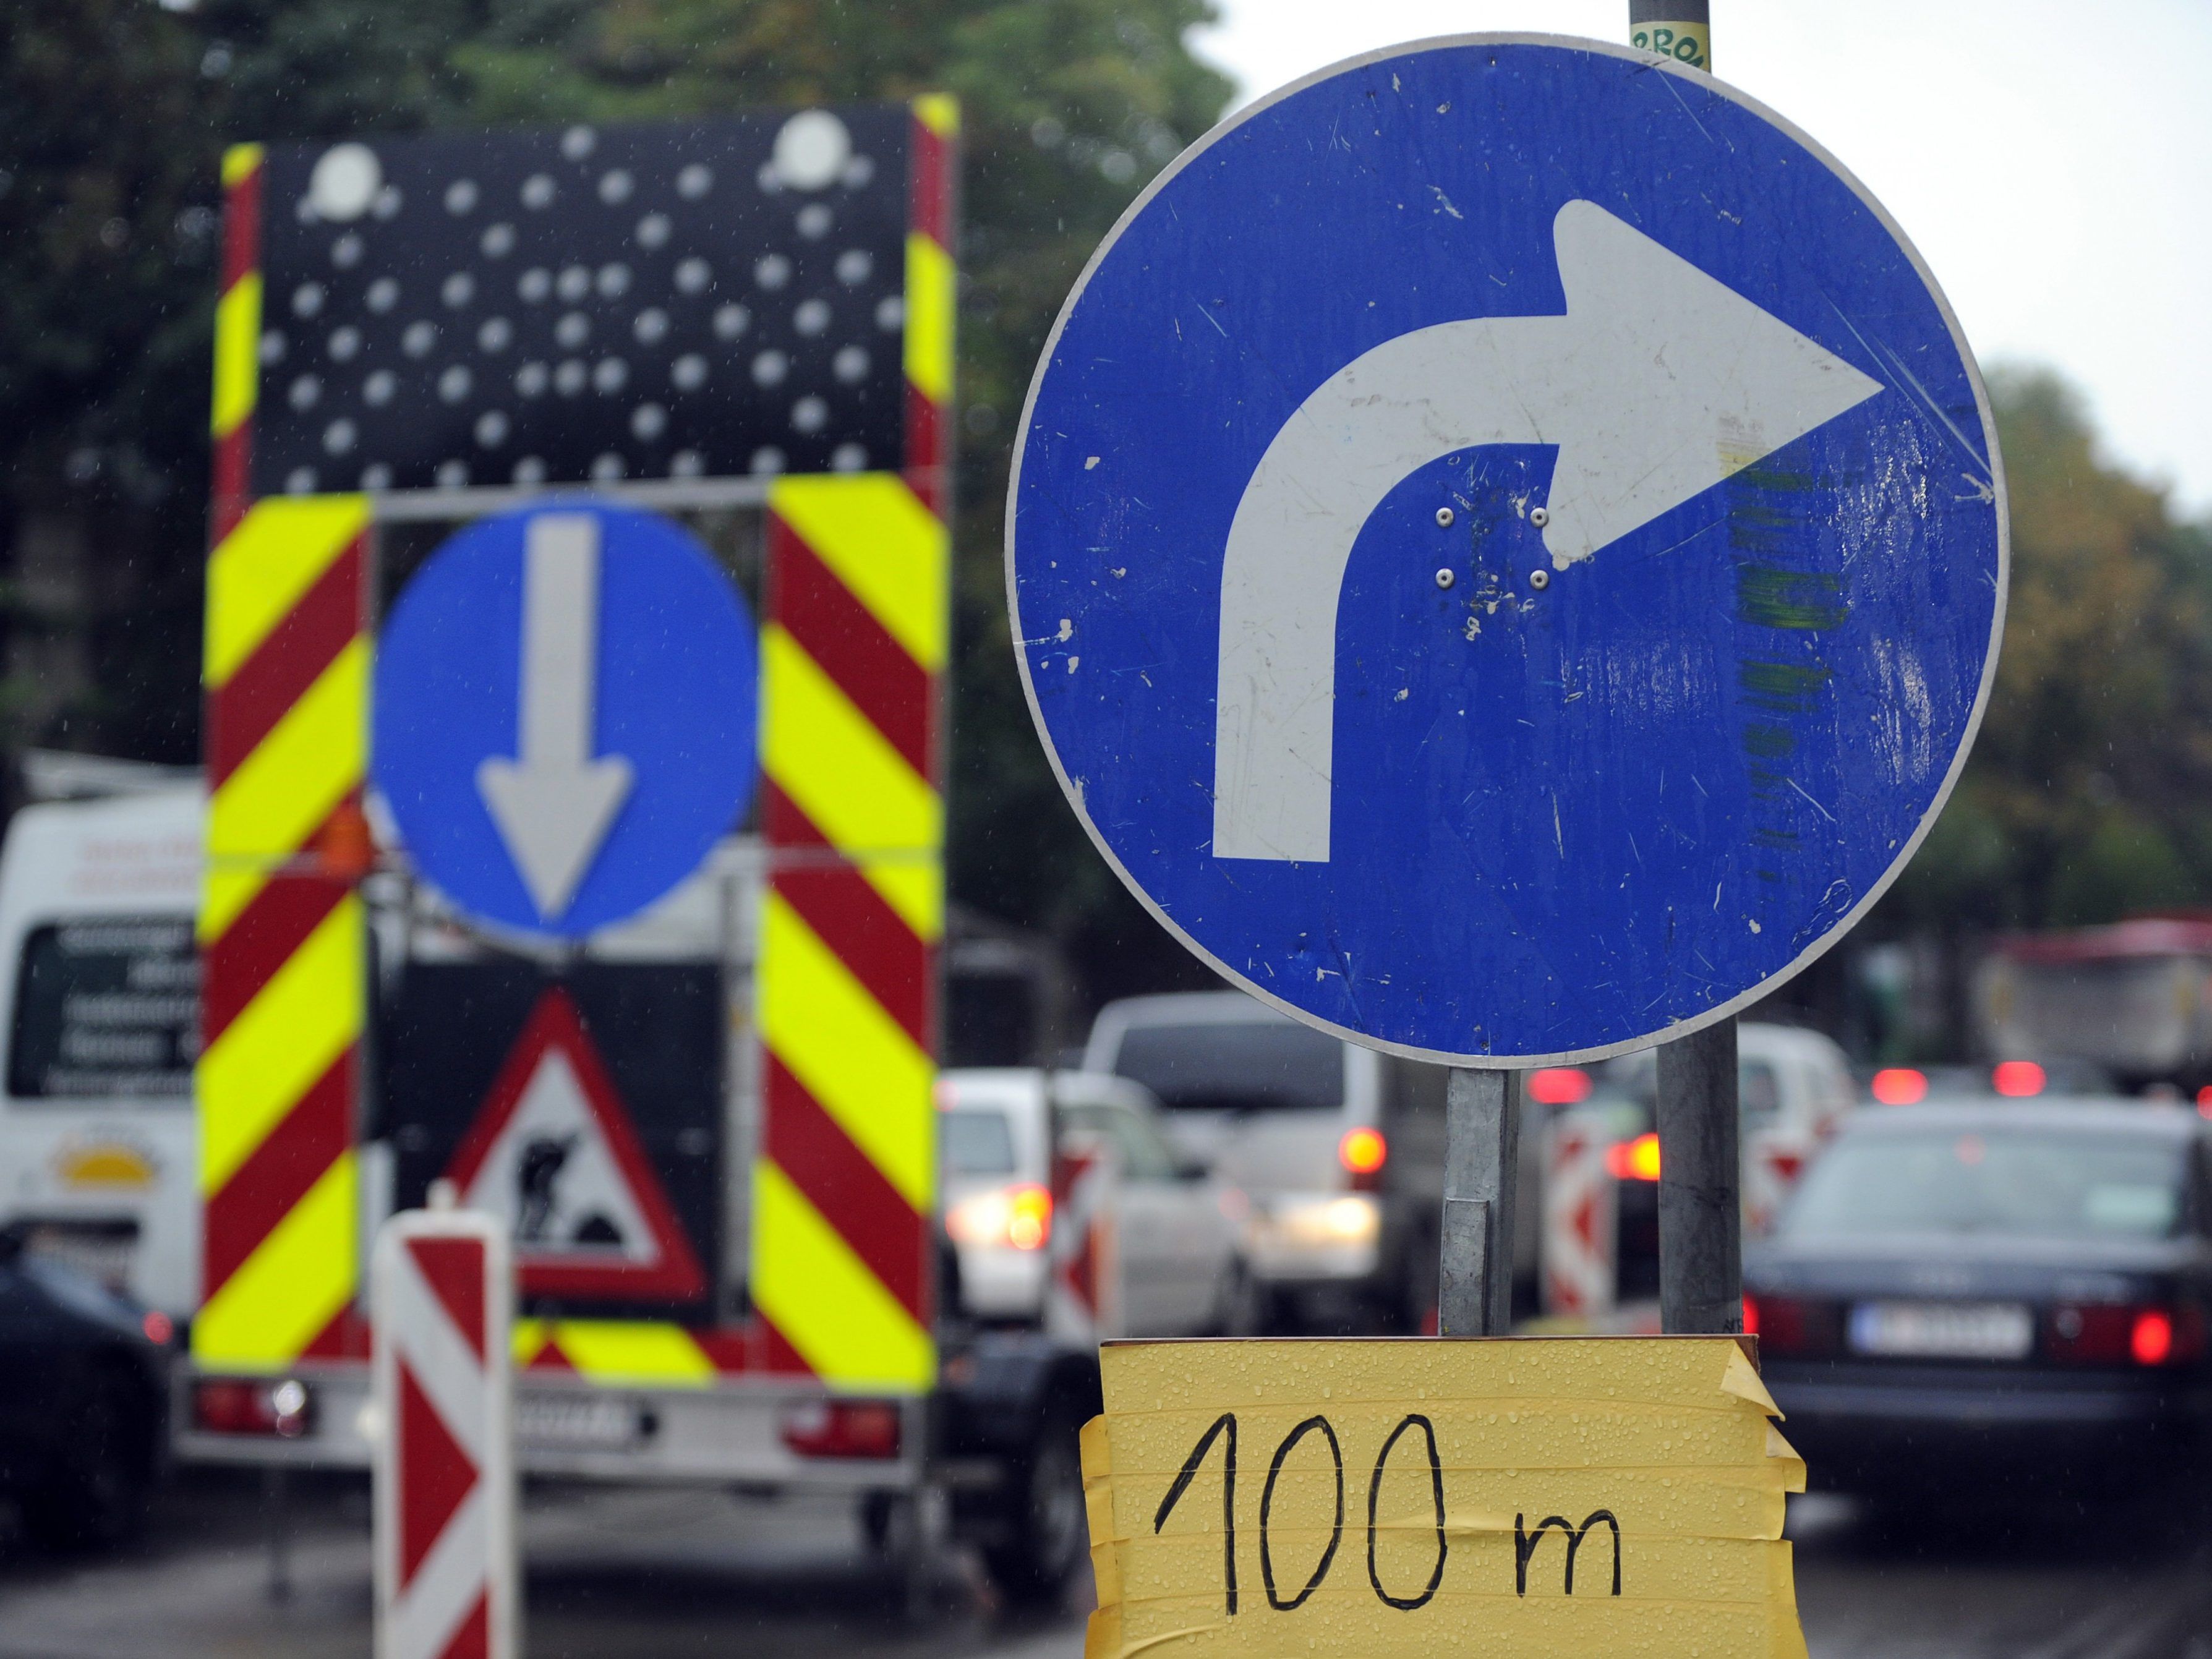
(565, 715)
(1508, 547)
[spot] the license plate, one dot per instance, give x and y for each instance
(577, 1422)
(1943, 1330)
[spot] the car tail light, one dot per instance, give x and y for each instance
(1559, 1085)
(283, 1410)
(1363, 1152)
(2017, 1080)
(1786, 1165)
(1016, 1218)
(2123, 1335)
(1787, 1325)
(841, 1428)
(1900, 1085)
(158, 1327)
(1634, 1160)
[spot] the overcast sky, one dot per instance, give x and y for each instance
(2052, 161)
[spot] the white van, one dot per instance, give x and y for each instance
(100, 1020)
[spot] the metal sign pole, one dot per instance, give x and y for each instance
(1482, 1146)
(1700, 1146)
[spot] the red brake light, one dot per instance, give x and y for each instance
(1559, 1085)
(1900, 1085)
(1751, 1315)
(2017, 1080)
(2150, 1340)
(841, 1428)
(159, 1327)
(1634, 1160)
(2205, 1100)
(221, 1406)
(1362, 1151)
(1785, 1325)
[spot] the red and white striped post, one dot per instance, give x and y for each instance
(443, 1288)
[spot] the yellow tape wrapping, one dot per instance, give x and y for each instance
(1374, 1498)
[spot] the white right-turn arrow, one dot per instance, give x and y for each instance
(1658, 383)
(555, 802)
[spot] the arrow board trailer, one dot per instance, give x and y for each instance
(1508, 545)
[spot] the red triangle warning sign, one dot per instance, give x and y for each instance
(553, 1151)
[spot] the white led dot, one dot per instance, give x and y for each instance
(300, 481)
(460, 195)
(496, 334)
(688, 372)
(458, 289)
(850, 365)
(418, 339)
(809, 415)
(272, 347)
(772, 271)
(537, 191)
(345, 252)
(615, 187)
(610, 376)
(770, 368)
(338, 436)
(767, 460)
(575, 282)
(307, 300)
(383, 295)
(815, 220)
(578, 142)
(531, 379)
(497, 242)
(344, 181)
(686, 463)
(731, 321)
(453, 475)
(693, 275)
(855, 266)
(890, 314)
(647, 422)
(376, 390)
(453, 384)
(858, 171)
(344, 344)
(571, 378)
(771, 182)
(388, 202)
(492, 429)
(651, 327)
(613, 280)
(811, 317)
(652, 231)
(529, 471)
(376, 476)
(848, 457)
(306, 391)
(535, 284)
(573, 330)
(812, 149)
(606, 468)
(695, 181)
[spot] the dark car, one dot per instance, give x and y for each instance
(82, 1397)
(2015, 1285)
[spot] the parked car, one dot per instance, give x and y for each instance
(2020, 1285)
(82, 1397)
(1177, 1228)
(1339, 1148)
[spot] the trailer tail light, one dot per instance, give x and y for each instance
(1900, 1085)
(2125, 1336)
(282, 1411)
(2017, 1080)
(1559, 1085)
(1363, 1152)
(841, 1428)
(1634, 1160)
(1009, 1218)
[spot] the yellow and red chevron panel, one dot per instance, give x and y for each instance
(852, 657)
(237, 335)
(281, 932)
(932, 298)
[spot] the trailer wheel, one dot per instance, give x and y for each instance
(1047, 1534)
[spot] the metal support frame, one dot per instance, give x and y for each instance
(1700, 1184)
(1482, 1147)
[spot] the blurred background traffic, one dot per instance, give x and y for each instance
(1976, 1136)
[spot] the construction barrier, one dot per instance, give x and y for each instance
(1579, 1251)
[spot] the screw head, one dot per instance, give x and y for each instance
(1540, 516)
(1444, 518)
(1539, 580)
(1446, 577)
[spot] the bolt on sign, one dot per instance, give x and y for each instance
(753, 312)
(1528, 1496)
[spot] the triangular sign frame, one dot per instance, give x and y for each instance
(673, 1273)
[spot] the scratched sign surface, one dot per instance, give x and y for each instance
(1508, 549)
(1525, 1497)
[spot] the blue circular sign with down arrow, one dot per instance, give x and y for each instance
(565, 708)
(1508, 549)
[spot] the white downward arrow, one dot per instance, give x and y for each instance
(554, 802)
(1658, 383)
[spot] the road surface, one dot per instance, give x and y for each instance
(644, 1575)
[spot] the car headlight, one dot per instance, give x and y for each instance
(1323, 1220)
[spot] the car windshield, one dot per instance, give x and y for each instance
(976, 1142)
(1240, 1066)
(2044, 1184)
